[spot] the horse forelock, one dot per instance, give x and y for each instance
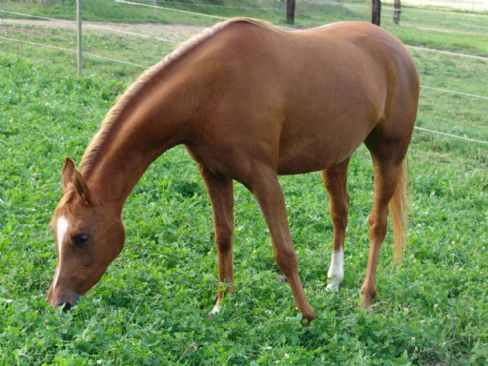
(112, 119)
(64, 206)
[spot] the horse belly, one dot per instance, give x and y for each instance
(326, 122)
(312, 149)
(315, 156)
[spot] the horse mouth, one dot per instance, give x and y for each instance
(65, 301)
(67, 306)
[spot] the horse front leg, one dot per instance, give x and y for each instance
(267, 190)
(220, 192)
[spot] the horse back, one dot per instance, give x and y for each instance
(305, 99)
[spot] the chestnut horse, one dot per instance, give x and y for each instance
(249, 101)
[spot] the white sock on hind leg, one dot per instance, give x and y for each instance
(336, 270)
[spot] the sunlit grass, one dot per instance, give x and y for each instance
(151, 307)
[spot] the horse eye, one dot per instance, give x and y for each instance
(81, 239)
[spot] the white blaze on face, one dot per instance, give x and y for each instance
(336, 270)
(61, 228)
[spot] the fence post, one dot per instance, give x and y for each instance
(397, 9)
(376, 16)
(290, 11)
(79, 38)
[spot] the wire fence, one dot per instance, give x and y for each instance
(157, 6)
(459, 5)
(171, 9)
(450, 53)
(72, 50)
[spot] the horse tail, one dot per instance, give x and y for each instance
(398, 208)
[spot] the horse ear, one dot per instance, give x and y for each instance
(67, 174)
(80, 186)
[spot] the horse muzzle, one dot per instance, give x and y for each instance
(62, 297)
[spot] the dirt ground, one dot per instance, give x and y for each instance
(169, 32)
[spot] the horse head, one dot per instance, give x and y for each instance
(89, 234)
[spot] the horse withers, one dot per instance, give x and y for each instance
(249, 101)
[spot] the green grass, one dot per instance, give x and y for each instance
(151, 307)
(457, 31)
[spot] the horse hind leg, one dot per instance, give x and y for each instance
(335, 180)
(387, 152)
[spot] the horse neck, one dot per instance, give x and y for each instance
(143, 131)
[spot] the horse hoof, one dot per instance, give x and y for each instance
(283, 278)
(307, 319)
(366, 303)
(215, 311)
(332, 287)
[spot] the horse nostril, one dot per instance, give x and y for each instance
(66, 300)
(66, 306)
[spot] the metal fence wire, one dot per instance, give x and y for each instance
(199, 12)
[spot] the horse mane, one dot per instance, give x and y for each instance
(111, 120)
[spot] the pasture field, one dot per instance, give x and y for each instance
(423, 27)
(151, 307)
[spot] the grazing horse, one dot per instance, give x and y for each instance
(249, 101)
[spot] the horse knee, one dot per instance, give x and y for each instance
(340, 219)
(287, 261)
(224, 238)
